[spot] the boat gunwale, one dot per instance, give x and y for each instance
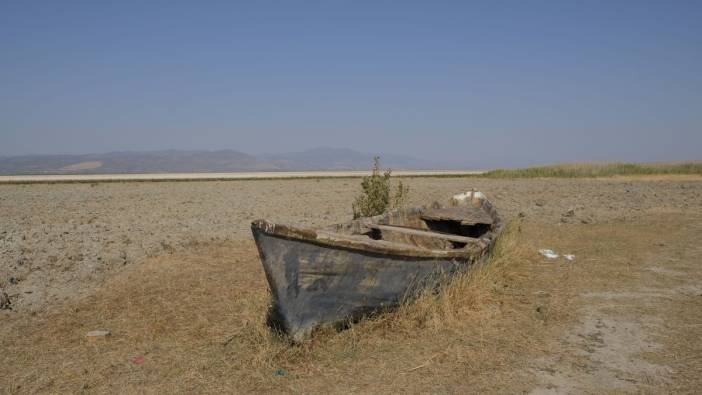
(326, 238)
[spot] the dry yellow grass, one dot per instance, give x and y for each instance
(197, 317)
(603, 169)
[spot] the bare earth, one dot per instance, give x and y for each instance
(171, 271)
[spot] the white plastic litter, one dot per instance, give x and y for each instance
(569, 257)
(550, 254)
(94, 336)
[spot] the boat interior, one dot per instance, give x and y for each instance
(434, 228)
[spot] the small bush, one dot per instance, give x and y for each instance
(375, 198)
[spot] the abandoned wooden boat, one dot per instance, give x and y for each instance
(341, 272)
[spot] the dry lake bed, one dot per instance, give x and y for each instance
(170, 270)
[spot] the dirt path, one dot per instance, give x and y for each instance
(638, 331)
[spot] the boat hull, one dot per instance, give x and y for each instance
(315, 283)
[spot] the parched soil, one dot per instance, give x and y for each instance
(170, 270)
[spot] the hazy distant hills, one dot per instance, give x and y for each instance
(204, 161)
(325, 158)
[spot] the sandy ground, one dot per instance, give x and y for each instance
(626, 313)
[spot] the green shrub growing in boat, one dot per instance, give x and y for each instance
(375, 198)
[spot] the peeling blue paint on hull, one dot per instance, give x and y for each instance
(341, 272)
(313, 284)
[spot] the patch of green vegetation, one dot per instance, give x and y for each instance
(597, 170)
(375, 198)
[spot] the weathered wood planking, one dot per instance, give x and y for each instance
(344, 271)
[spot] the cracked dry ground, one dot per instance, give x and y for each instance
(170, 270)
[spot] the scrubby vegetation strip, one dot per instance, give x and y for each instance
(597, 170)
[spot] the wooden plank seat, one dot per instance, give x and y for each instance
(423, 233)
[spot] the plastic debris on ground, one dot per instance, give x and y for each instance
(138, 360)
(550, 254)
(95, 335)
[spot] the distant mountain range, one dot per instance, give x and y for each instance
(174, 161)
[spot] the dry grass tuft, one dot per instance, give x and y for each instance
(464, 298)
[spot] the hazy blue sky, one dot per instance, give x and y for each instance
(507, 83)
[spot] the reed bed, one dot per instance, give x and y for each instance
(573, 170)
